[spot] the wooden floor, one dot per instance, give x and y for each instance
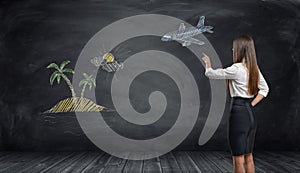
(178, 161)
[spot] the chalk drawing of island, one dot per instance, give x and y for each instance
(74, 103)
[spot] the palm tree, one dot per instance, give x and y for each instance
(60, 73)
(88, 80)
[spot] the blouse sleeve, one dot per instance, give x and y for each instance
(222, 73)
(262, 85)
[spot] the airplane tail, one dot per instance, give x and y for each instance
(201, 22)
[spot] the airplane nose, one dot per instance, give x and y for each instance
(165, 38)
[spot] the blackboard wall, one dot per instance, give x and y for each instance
(36, 33)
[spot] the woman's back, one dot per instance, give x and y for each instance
(239, 86)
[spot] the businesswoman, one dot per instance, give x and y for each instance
(247, 87)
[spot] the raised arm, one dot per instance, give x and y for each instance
(219, 73)
(222, 73)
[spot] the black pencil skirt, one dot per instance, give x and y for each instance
(241, 126)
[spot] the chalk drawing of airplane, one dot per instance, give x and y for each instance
(185, 35)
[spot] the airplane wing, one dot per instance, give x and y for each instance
(192, 40)
(201, 21)
(181, 28)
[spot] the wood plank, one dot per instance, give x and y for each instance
(223, 164)
(185, 162)
(133, 166)
(295, 155)
(115, 164)
(178, 161)
(60, 166)
(11, 160)
(267, 166)
(26, 160)
(205, 166)
(278, 164)
(79, 165)
(52, 159)
(10, 156)
(283, 160)
(4, 153)
(169, 163)
(98, 164)
(30, 167)
(152, 165)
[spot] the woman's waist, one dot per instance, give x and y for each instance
(240, 100)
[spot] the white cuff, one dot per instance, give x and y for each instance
(264, 93)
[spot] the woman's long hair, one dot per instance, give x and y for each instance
(243, 47)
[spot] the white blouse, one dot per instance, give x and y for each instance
(238, 85)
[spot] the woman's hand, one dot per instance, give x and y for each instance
(206, 59)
